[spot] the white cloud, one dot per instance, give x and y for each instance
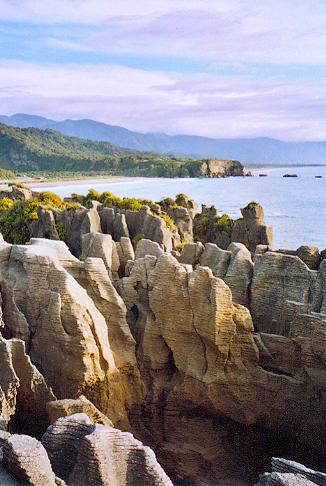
(96, 11)
(230, 31)
(209, 105)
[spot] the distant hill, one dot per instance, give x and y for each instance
(258, 151)
(33, 149)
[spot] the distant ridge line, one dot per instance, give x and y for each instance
(256, 151)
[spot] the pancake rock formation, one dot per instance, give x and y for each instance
(213, 358)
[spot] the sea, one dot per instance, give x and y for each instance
(294, 206)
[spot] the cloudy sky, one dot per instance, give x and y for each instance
(219, 68)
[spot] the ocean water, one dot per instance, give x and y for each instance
(294, 207)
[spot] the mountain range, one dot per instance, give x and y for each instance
(255, 151)
(47, 150)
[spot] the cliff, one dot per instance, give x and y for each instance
(214, 358)
(221, 168)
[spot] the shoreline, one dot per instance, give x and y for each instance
(52, 181)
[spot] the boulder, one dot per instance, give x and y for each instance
(67, 407)
(86, 454)
(310, 256)
(216, 259)
(26, 459)
(191, 253)
(147, 247)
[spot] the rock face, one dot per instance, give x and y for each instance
(233, 265)
(84, 454)
(77, 295)
(289, 473)
(221, 168)
(199, 358)
(280, 281)
(26, 459)
(198, 346)
(45, 226)
(76, 223)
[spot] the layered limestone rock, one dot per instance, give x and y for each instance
(251, 229)
(87, 324)
(148, 247)
(199, 347)
(77, 222)
(233, 265)
(23, 390)
(279, 282)
(290, 473)
(68, 407)
(26, 459)
(174, 356)
(84, 454)
(143, 223)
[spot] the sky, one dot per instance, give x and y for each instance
(217, 68)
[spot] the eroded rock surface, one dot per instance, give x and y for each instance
(187, 356)
(85, 454)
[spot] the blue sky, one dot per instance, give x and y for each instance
(219, 68)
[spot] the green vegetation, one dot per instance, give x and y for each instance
(7, 174)
(17, 216)
(181, 200)
(5, 203)
(35, 151)
(137, 238)
(223, 223)
(251, 205)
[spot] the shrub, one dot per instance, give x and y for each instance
(168, 201)
(51, 200)
(181, 200)
(131, 203)
(137, 237)
(5, 203)
(251, 205)
(169, 222)
(223, 223)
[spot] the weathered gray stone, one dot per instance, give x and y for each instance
(216, 259)
(108, 456)
(147, 247)
(26, 459)
(120, 228)
(279, 280)
(191, 253)
(98, 245)
(44, 226)
(239, 273)
(62, 442)
(310, 256)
